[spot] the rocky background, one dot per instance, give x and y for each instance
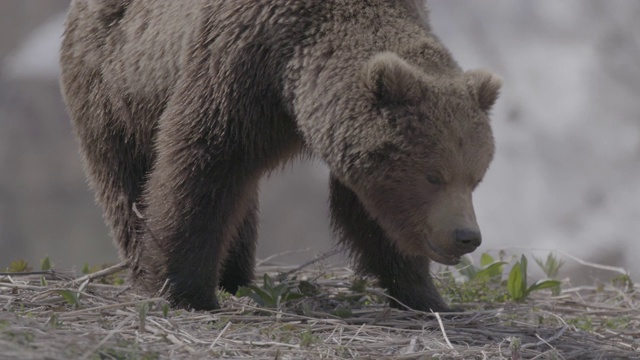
(566, 177)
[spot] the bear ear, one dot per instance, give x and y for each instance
(391, 79)
(486, 87)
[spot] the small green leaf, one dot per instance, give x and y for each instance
(623, 280)
(143, 310)
(255, 297)
(70, 297)
(342, 312)
(45, 265)
(523, 266)
(278, 290)
(486, 259)
(515, 347)
(268, 282)
(543, 284)
(43, 281)
(257, 294)
(551, 266)
(514, 283)
(270, 294)
(492, 271)
(266, 296)
(53, 320)
(243, 291)
(309, 289)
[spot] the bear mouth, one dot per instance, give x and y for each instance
(438, 255)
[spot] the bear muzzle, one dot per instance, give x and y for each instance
(461, 241)
(467, 240)
(451, 229)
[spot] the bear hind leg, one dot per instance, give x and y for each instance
(197, 197)
(116, 166)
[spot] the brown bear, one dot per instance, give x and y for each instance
(181, 107)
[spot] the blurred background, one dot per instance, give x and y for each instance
(565, 179)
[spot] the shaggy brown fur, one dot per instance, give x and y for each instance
(182, 106)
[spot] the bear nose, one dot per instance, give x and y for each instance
(468, 240)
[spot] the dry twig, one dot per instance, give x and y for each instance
(583, 323)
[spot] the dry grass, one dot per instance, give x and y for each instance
(113, 322)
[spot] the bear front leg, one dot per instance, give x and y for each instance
(239, 266)
(406, 278)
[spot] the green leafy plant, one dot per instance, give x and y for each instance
(359, 285)
(481, 283)
(618, 323)
(270, 294)
(516, 347)
(550, 266)
(623, 281)
(45, 265)
(489, 270)
(517, 282)
(343, 312)
(473, 292)
(71, 297)
(466, 268)
(18, 266)
(53, 320)
(308, 288)
(582, 323)
(143, 310)
(307, 339)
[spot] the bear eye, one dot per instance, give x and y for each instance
(435, 179)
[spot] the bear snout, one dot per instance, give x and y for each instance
(467, 240)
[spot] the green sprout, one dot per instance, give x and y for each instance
(270, 294)
(550, 266)
(517, 282)
(45, 265)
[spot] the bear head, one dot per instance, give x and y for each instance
(426, 146)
